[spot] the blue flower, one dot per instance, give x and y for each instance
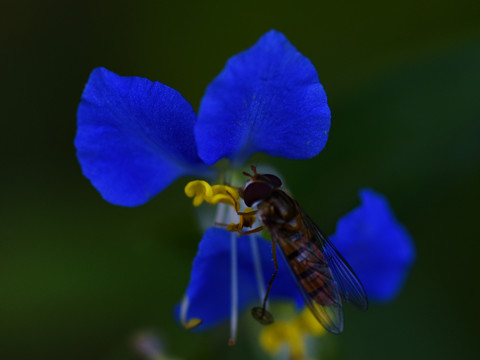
(135, 137)
(372, 241)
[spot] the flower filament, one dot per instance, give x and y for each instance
(229, 205)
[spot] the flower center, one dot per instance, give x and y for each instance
(202, 191)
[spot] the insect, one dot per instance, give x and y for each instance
(323, 276)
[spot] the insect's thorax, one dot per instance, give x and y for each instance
(278, 209)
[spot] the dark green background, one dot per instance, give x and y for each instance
(79, 277)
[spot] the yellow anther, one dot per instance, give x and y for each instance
(200, 190)
(273, 337)
(276, 335)
(192, 323)
(225, 194)
(291, 334)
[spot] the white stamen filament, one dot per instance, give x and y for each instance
(233, 289)
(258, 267)
(220, 216)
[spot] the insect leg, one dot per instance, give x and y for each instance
(274, 253)
(260, 313)
(258, 229)
(253, 212)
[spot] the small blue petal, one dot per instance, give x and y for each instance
(209, 290)
(134, 137)
(376, 245)
(267, 99)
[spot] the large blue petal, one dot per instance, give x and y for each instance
(376, 245)
(209, 290)
(267, 99)
(134, 137)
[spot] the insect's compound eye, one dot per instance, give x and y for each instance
(256, 191)
(272, 179)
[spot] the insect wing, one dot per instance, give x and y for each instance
(314, 280)
(330, 316)
(350, 288)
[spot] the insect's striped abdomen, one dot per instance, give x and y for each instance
(313, 275)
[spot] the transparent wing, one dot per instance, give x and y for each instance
(350, 288)
(314, 280)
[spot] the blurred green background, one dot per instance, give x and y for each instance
(79, 277)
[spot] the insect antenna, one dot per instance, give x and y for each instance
(260, 313)
(247, 174)
(254, 169)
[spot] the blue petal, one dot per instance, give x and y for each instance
(134, 137)
(376, 245)
(209, 290)
(267, 99)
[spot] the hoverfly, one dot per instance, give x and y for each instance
(323, 276)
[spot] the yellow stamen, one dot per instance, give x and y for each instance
(291, 333)
(280, 333)
(199, 190)
(202, 191)
(225, 194)
(192, 323)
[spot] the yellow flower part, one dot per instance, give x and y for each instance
(226, 195)
(202, 191)
(247, 218)
(199, 190)
(192, 323)
(273, 337)
(309, 324)
(292, 334)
